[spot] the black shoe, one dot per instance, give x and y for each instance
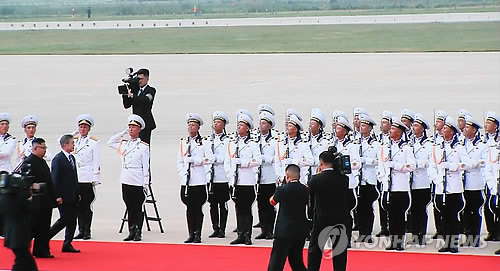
(130, 237)
(221, 234)
(444, 249)
(86, 236)
(269, 236)
(44, 256)
(400, 246)
(492, 237)
(70, 248)
(258, 225)
(239, 240)
(214, 234)
(78, 236)
(190, 238)
(383, 232)
(138, 236)
(248, 239)
(390, 247)
(497, 252)
(197, 237)
(453, 250)
(261, 236)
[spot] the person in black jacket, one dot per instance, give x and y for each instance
(17, 209)
(328, 195)
(142, 104)
(42, 218)
(67, 192)
(291, 227)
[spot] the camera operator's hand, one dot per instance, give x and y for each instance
(35, 187)
(59, 201)
(130, 94)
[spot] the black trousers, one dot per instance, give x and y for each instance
(194, 199)
(492, 225)
(244, 197)
(24, 261)
(85, 212)
(134, 199)
(352, 202)
(367, 195)
(218, 197)
(315, 253)
(436, 212)
(383, 215)
(41, 231)
(420, 199)
(145, 135)
(397, 204)
(68, 212)
(287, 248)
(450, 216)
(267, 213)
(471, 216)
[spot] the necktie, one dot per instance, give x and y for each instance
(72, 160)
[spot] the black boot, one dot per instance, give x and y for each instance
(453, 248)
(270, 235)
(446, 246)
(248, 238)
(131, 233)
(392, 245)
(197, 237)
(138, 234)
(190, 238)
(86, 234)
(400, 243)
(239, 240)
(79, 235)
(215, 233)
(263, 234)
(497, 252)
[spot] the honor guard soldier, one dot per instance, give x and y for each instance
(218, 192)
(439, 124)
(7, 143)
(420, 182)
(266, 178)
(462, 114)
(194, 160)
(369, 148)
(492, 140)
(474, 183)
(383, 138)
(88, 157)
(241, 164)
(356, 122)
(336, 114)
(29, 125)
(440, 117)
(492, 207)
(294, 149)
(134, 175)
(318, 142)
(448, 161)
(408, 117)
(396, 161)
(346, 146)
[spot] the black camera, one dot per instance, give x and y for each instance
(131, 82)
(15, 182)
(341, 162)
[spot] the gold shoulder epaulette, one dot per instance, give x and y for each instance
(94, 138)
(144, 143)
(76, 137)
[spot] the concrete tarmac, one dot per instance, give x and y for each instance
(276, 21)
(58, 88)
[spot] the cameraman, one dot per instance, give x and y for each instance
(17, 207)
(141, 101)
(328, 192)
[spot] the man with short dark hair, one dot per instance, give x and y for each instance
(328, 194)
(142, 104)
(42, 218)
(291, 225)
(65, 178)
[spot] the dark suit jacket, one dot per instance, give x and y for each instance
(329, 198)
(65, 179)
(41, 174)
(17, 212)
(291, 222)
(142, 105)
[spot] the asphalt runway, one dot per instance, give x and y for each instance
(277, 21)
(58, 88)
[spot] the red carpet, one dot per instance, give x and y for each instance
(142, 256)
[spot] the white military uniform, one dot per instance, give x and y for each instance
(7, 146)
(267, 145)
(422, 149)
(398, 156)
(293, 151)
(200, 157)
(248, 159)
(219, 143)
(492, 169)
(319, 143)
(348, 147)
(368, 150)
(24, 150)
(88, 157)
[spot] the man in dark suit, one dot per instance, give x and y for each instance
(328, 192)
(67, 192)
(142, 104)
(42, 218)
(291, 227)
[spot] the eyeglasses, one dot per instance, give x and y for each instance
(42, 147)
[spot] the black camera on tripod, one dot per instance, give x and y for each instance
(341, 162)
(131, 82)
(15, 182)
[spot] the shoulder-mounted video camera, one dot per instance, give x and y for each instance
(13, 183)
(341, 162)
(131, 82)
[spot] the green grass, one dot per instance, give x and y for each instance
(103, 17)
(264, 39)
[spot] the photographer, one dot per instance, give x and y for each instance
(40, 173)
(17, 207)
(141, 100)
(328, 192)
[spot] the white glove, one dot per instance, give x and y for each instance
(288, 161)
(445, 165)
(237, 161)
(124, 132)
(188, 159)
(389, 164)
(363, 160)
